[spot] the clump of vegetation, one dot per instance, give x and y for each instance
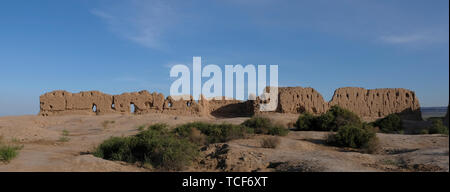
(262, 125)
(141, 128)
(437, 127)
(270, 142)
(305, 122)
(424, 131)
(341, 117)
(389, 124)
(350, 130)
(213, 133)
(334, 118)
(158, 147)
(106, 123)
(354, 136)
(8, 152)
(64, 136)
(155, 146)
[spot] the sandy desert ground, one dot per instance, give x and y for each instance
(298, 151)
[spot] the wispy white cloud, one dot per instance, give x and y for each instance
(143, 22)
(415, 38)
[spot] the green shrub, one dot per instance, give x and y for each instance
(334, 118)
(389, 124)
(7, 153)
(277, 130)
(116, 149)
(342, 117)
(64, 139)
(156, 146)
(352, 135)
(259, 124)
(438, 127)
(262, 125)
(424, 131)
(215, 133)
(324, 122)
(65, 133)
(305, 122)
(65, 136)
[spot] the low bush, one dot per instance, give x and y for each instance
(353, 136)
(259, 124)
(371, 147)
(389, 124)
(305, 122)
(156, 146)
(262, 125)
(64, 136)
(214, 133)
(342, 117)
(173, 150)
(7, 153)
(334, 118)
(438, 127)
(270, 142)
(277, 129)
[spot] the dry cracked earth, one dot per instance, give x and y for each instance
(305, 151)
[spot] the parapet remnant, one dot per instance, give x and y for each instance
(368, 104)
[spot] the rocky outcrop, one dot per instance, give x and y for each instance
(375, 103)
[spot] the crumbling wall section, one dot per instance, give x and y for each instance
(300, 100)
(372, 104)
(98, 103)
(378, 103)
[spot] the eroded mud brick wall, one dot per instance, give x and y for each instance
(97, 103)
(368, 104)
(63, 102)
(378, 102)
(300, 100)
(375, 103)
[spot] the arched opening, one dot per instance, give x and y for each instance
(132, 108)
(94, 108)
(169, 104)
(188, 103)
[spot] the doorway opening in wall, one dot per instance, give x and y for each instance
(94, 108)
(132, 108)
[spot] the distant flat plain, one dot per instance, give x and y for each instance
(428, 112)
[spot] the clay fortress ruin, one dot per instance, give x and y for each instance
(368, 104)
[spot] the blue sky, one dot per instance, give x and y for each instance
(122, 46)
